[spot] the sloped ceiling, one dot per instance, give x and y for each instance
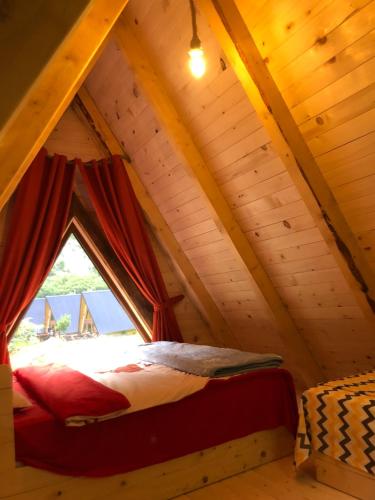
(238, 152)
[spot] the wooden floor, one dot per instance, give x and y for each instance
(276, 480)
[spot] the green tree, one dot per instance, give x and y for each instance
(63, 323)
(63, 284)
(25, 335)
(60, 266)
(63, 280)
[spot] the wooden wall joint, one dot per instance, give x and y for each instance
(343, 248)
(340, 243)
(78, 101)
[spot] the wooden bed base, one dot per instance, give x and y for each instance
(159, 482)
(344, 477)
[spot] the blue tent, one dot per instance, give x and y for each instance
(66, 304)
(106, 312)
(35, 313)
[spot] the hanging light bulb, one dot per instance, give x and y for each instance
(197, 62)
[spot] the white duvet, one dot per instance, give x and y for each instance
(151, 385)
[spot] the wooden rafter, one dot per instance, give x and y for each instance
(41, 103)
(202, 299)
(82, 315)
(179, 135)
(47, 317)
(239, 47)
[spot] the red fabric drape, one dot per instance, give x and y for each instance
(39, 217)
(122, 221)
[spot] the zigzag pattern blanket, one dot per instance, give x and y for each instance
(338, 419)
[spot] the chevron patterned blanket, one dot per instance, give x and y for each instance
(337, 418)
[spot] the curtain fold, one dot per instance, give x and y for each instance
(122, 221)
(38, 220)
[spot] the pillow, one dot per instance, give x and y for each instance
(20, 400)
(72, 397)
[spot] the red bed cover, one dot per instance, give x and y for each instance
(223, 410)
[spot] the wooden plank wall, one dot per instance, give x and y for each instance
(238, 151)
(321, 55)
(131, 118)
(73, 138)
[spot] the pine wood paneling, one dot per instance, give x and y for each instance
(72, 138)
(340, 89)
(242, 160)
(325, 66)
(351, 107)
(193, 328)
(337, 30)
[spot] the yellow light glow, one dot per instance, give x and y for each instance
(197, 62)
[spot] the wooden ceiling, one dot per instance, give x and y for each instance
(257, 180)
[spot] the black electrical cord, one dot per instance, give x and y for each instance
(195, 42)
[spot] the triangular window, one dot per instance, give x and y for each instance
(75, 309)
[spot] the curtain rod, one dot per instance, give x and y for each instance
(71, 162)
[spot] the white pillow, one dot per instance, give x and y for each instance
(20, 401)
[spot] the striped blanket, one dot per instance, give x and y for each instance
(338, 419)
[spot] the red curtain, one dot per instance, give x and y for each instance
(39, 217)
(122, 221)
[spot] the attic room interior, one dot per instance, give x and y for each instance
(231, 212)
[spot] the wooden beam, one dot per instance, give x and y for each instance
(239, 47)
(201, 298)
(82, 314)
(47, 317)
(179, 135)
(40, 103)
(7, 450)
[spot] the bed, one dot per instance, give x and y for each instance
(337, 431)
(230, 425)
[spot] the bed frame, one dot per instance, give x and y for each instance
(344, 477)
(159, 482)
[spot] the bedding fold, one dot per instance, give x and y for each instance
(72, 397)
(206, 361)
(151, 385)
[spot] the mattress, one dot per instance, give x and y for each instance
(225, 409)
